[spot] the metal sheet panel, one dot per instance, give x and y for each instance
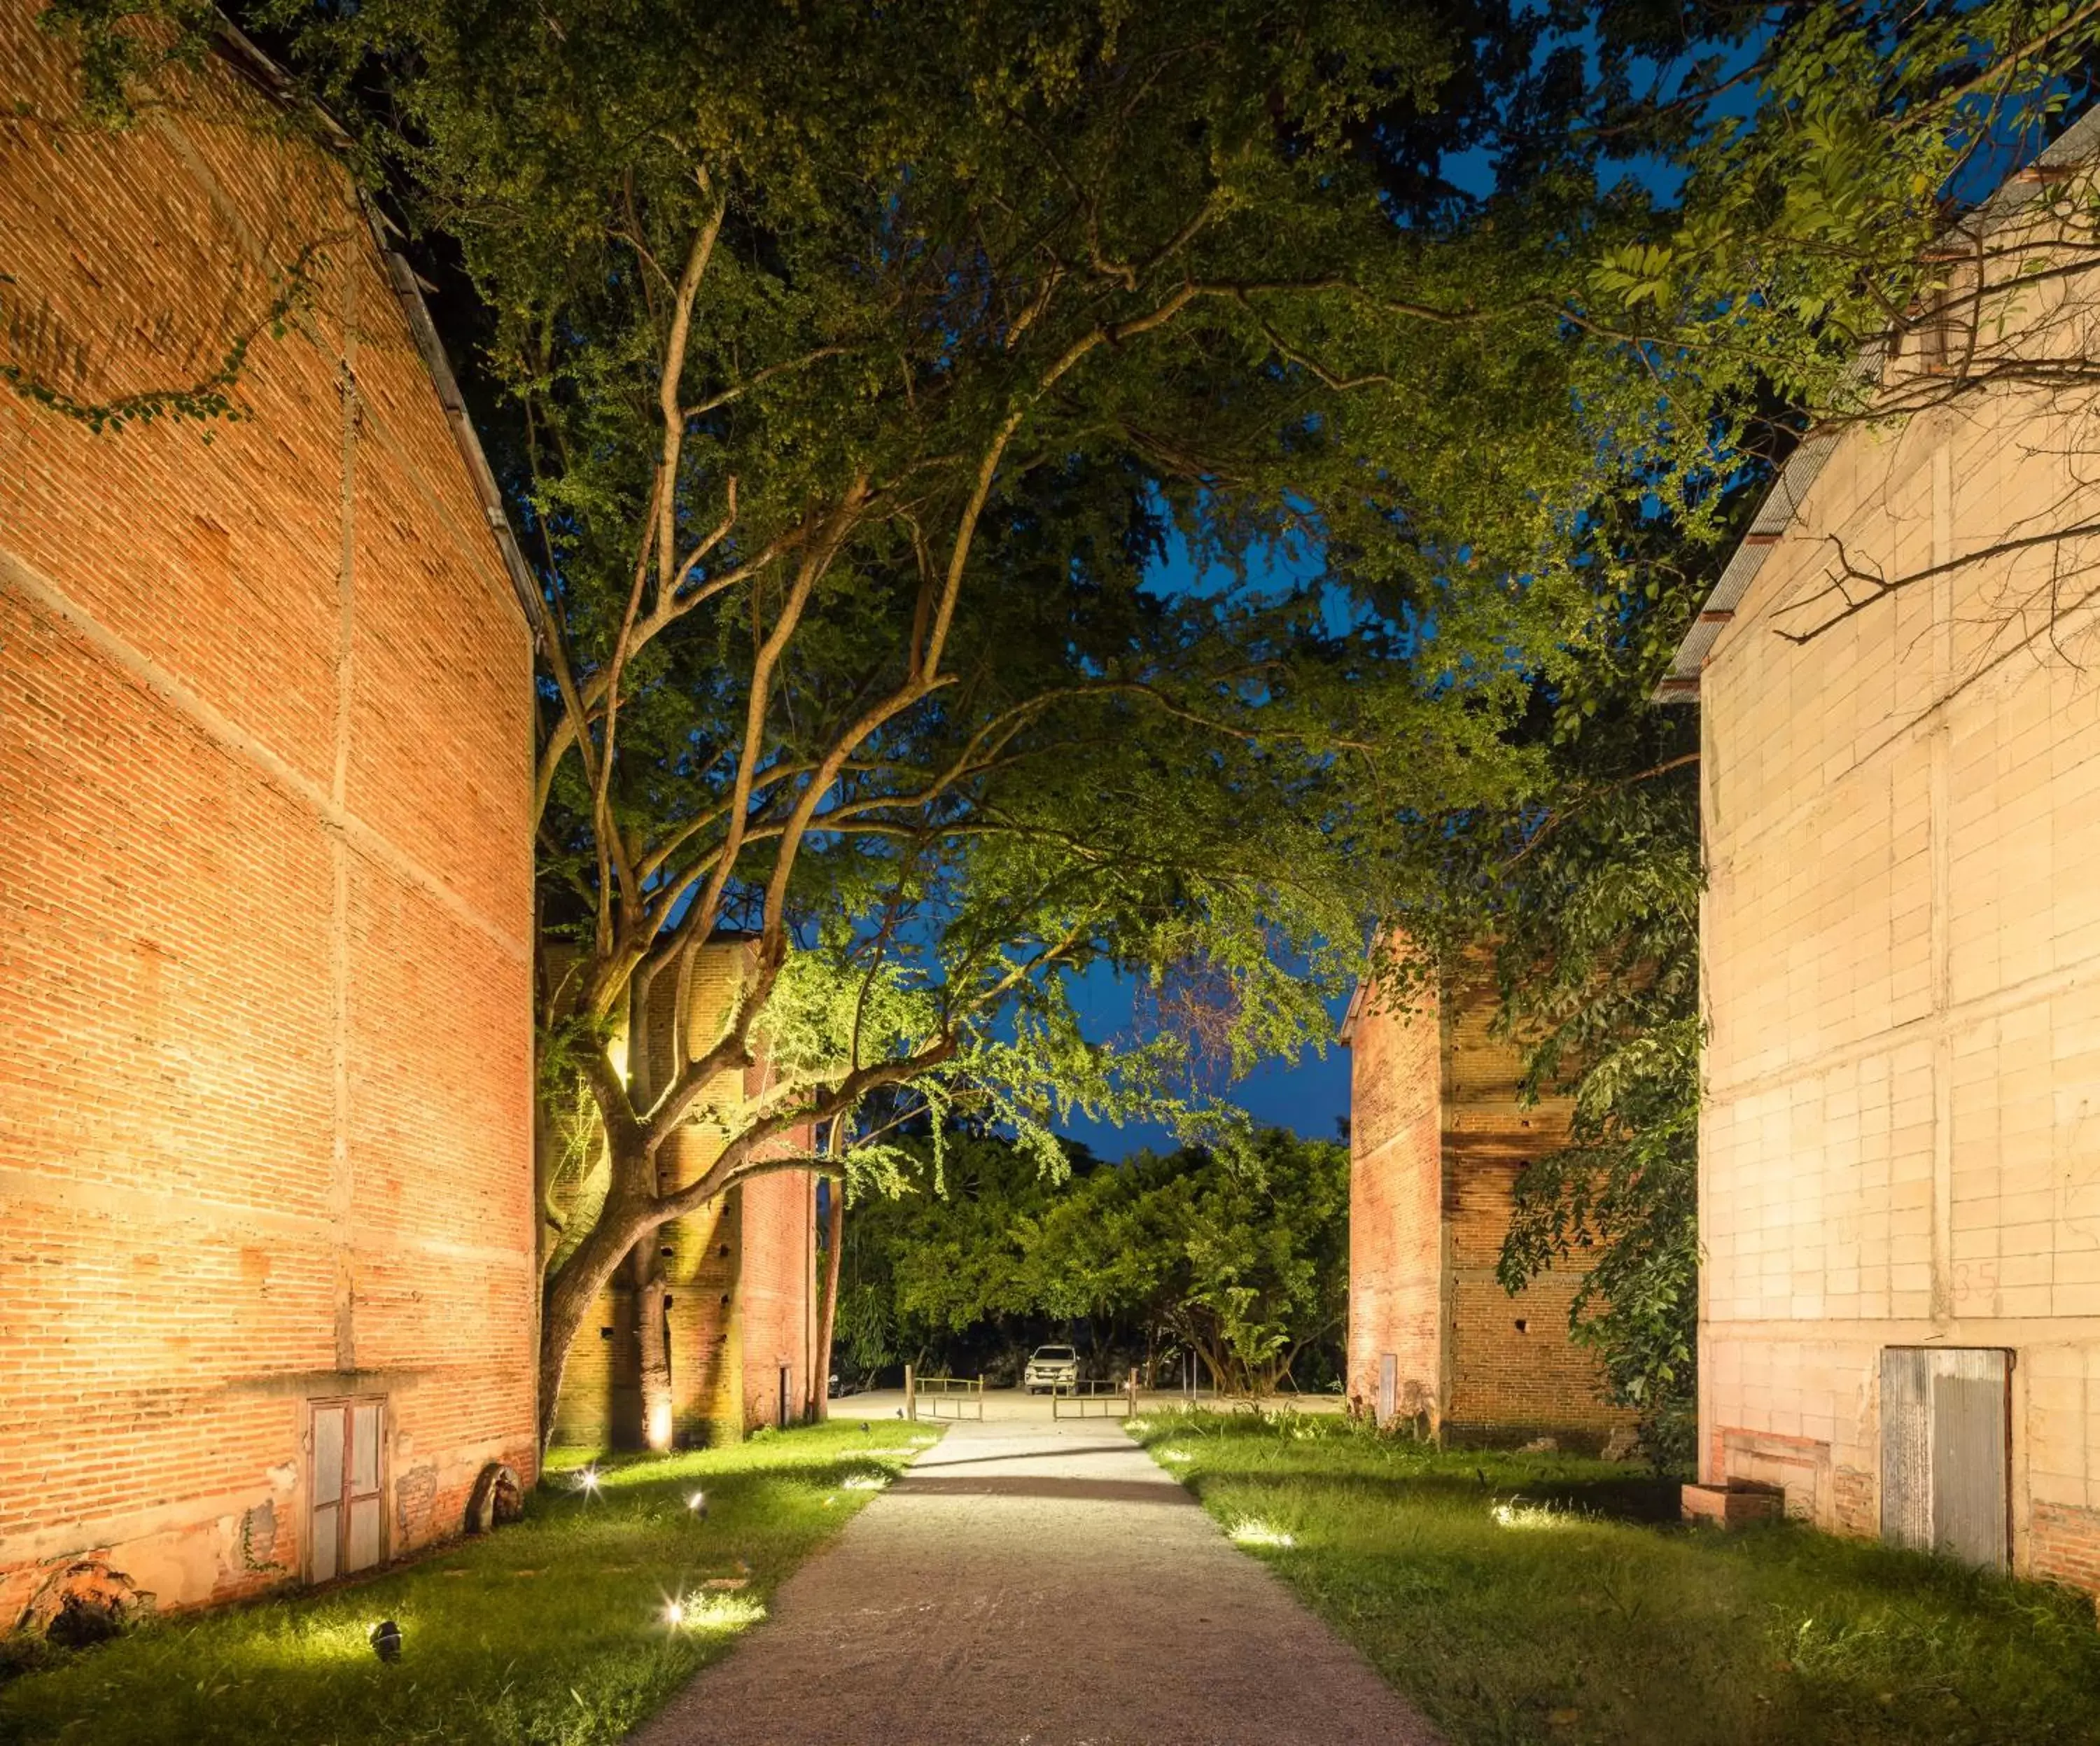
(364, 1447)
(363, 1535)
(1969, 1424)
(1907, 1447)
(327, 1454)
(328, 1535)
(1388, 1387)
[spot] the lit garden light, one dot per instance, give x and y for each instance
(588, 1481)
(674, 1613)
(1525, 1518)
(698, 1505)
(385, 1639)
(1260, 1533)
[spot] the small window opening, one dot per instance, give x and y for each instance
(1523, 1325)
(605, 1334)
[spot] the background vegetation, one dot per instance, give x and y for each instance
(1242, 1262)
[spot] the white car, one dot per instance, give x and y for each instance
(1052, 1367)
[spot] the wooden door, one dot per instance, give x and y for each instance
(349, 1521)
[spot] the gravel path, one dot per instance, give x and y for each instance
(1039, 1583)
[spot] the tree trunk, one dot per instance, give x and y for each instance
(828, 1315)
(652, 1336)
(575, 1285)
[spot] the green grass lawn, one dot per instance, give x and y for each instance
(1549, 1599)
(554, 1631)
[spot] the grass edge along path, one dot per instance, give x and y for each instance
(567, 1628)
(1552, 1600)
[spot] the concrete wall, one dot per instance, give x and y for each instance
(1437, 1138)
(265, 869)
(1900, 1144)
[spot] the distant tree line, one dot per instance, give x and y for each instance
(1238, 1265)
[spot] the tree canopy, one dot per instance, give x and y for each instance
(1024, 487)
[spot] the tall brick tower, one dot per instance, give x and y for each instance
(709, 1327)
(1437, 1138)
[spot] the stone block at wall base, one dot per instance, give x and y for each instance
(1733, 1505)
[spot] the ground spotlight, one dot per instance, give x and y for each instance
(385, 1637)
(587, 1481)
(674, 1613)
(697, 1504)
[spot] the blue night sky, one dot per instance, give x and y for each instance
(1309, 1095)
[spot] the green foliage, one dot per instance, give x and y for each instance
(1526, 1599)
(1242, 1259)
(125, 45)
(207, 399)
(851, 373)
(1804, 232)
(552, 1630)
(1579, 906)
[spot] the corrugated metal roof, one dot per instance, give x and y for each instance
(2077, 144)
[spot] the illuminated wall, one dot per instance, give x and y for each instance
(265, 877)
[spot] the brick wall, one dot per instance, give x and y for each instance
(1514, 1371)
(1437, 1140)
(1396, 1186)
(265, 884)
(738, 1271)
(1900, 1144)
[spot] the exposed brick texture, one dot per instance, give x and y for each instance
(1395, 1197)
(1900, 1139)
(265, 868)
(1437, 1138)
(740, 1271)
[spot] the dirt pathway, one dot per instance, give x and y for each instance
(1040, 1583)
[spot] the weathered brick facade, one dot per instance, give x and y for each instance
(265, 870)
(739, 1273)
(1900, 1140)
(1437, 1138)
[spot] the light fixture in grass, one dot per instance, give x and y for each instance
(712, 1612)
(1253, 1531)
(1529, 1518)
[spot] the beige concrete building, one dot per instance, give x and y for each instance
(1900, 681)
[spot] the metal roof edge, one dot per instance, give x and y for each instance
(2078, 143)
(1355, 1011)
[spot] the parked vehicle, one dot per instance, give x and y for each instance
(1051, 1367)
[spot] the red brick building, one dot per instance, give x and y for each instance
(267, 1282)
(730, 1290)
(1437, 1138)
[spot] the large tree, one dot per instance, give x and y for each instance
(852, 371)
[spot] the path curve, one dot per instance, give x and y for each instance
(1037, 1585)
